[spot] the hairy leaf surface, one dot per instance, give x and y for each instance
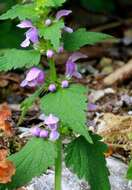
(14, 58)
(53, 3)
(53, 33)
(69, 105)
(34, 159)
(21, 11)
(88, 161)
(73, 41)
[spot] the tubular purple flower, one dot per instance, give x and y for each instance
(51, 119)
(62, 13)
(52, 88)
(31, 34)
(48, 22)
(64, 84)
(52, 122)
(25, 24)
(71, 67)
(49, 53)
(35, 131)
(54, 135)
(35, 76)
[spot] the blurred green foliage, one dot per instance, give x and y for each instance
(105, 5)
(5, 5)
(10, 35)
(99, 5)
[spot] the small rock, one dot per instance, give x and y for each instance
(117, 170)
(97, 95)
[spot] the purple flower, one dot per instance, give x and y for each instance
(31, 34)
(54, 135)
(34, 77)
(25, 24)
(71, 67)
(43, 133)
(52, 122)
(62, 13)
(52, 88)
(49, 53)
(48, 22)
(64, 84)
(35, 131)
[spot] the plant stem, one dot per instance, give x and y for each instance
(53, 75)
(58, 166)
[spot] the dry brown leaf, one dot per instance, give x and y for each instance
(121, 74)
(116, 129)
(5, 115)
(3, 154)
(7, 170)
(109, 152)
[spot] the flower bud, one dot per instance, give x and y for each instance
(54, 135)
(64, 84)
(35, 131)
(49, 53)
(48, 22)
(52, 88)
(43, 134)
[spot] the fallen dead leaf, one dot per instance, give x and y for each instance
(116, 130)
(3, 154)
(109, 152)
(7, 169)
(120, 75)
(5, 115)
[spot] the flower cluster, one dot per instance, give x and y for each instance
(36, 76)
(51, 129)
(64, 84)
(32, 34)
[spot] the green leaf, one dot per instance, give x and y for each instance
(88, 161)
(69, 105)
(129, 172)
(14, 58)
(81, 37)
(53, 3)
(53, 33)
(21, 11)
(28, 103)
(34, 159)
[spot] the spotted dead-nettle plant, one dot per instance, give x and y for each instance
(63, 103)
